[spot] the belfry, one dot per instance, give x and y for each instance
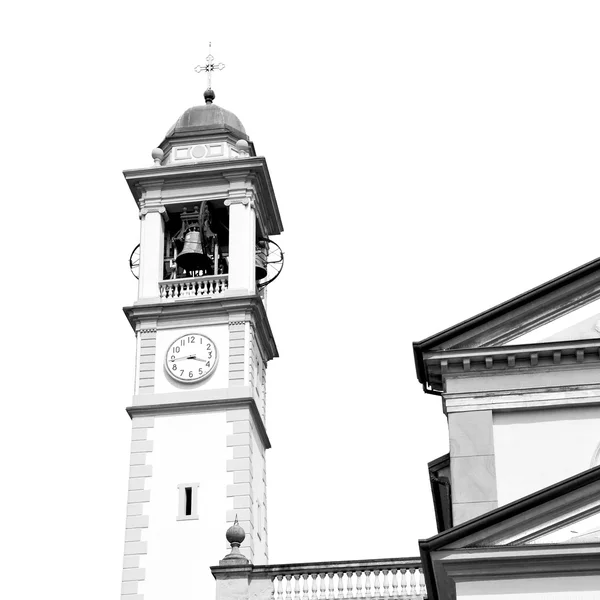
(208, 213)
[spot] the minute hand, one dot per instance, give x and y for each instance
(194, 357)
(191, 356)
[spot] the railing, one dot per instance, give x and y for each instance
(192, 287)
(387, 578)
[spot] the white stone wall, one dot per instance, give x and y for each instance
(220, 377)
(186, 448)
(536, 448)
(547, 588)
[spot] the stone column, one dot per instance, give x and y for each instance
(242, 236)
(152, 251)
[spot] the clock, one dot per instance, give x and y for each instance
(191, 358)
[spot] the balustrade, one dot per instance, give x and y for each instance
(192, 287)
(389, 579)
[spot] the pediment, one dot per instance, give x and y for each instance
(584, 530)
(565, 513)
(563, 310)
(582, 323)
(554, 532)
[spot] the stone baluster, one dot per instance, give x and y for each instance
(376, 584)
(394, 583)
(421, 589)
(279, 588)
(297, 587)
(403, 583)
(331, 586)
(315, 583)
(322, 587)
(386, 583)
(305, 586)
(349, 585)
(367, 584)
(413, 582)
(360, 592)
(340, 585)
(288, 587)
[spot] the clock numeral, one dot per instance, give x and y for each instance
(172, 357)
(200, 371)
(210, 355)
(191, 339)
(207, 364)
(176, 349)
(191, 374)
(181, 372)
(174, 367)
(208, 347)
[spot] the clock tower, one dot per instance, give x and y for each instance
(207, 212)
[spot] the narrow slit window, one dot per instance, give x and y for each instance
(187, 501)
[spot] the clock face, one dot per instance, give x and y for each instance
(191, 358)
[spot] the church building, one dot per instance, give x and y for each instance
(517, 497)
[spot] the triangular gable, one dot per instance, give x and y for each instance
(548, 522)
(581, 324)
(577, 291)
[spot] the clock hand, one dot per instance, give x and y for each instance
(192, 356)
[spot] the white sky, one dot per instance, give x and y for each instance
(430, 160)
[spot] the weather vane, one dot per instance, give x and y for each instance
(210, 66)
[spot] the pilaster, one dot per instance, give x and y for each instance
(242, 233)
(152, 241)
(136, 523)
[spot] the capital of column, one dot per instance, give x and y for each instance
(154, 209)
(245, 199)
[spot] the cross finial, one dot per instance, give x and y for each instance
(209, 67)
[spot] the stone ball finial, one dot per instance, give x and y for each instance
(235, 534)
(209, 96)
(157, 155)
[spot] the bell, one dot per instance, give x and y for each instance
(192, 257)
(260, 262)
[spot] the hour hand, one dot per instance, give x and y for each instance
(196, 358)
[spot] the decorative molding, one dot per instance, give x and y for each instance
(186, 407)
(468, 362)
(154, 209)
(254, 168)
(583, 395)
(252, 306)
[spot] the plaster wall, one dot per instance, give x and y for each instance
(547, 588)
(536, 448)
(189, 448)
(220, 376)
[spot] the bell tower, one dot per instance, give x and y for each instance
(207, 212)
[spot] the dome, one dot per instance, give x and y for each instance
(209, 118)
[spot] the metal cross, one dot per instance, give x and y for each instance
(210, 66)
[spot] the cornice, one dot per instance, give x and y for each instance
(517, 562)
(517, 316)
(176, 408)
(254, 166)
(208, 307)
(578, 354)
